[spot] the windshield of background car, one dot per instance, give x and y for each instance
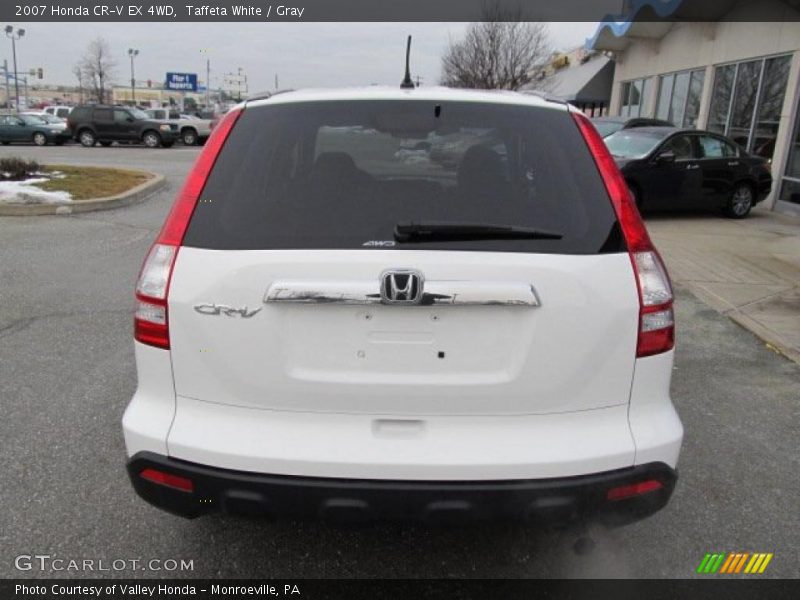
(633, 143)
(606, 128)
(343, 174)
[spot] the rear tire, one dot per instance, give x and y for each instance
(151, 139)
(740, 202)
(40, 139)
(86, 138)
(189, 137)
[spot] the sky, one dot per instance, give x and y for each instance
(301, 54)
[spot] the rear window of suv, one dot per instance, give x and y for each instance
(342, 174)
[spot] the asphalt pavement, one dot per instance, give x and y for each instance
(67, 372)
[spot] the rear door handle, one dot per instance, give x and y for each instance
(692, 167)
(735, 163)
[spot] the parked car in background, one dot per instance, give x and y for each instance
(29, 128)
(106, 124)
(331, 323)
(689, 169)
(58, 111)
(47, 117)
(608, 125)
(192, 130)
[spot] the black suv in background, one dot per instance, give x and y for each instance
(107, 124)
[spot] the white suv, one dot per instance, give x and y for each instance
(339, 319)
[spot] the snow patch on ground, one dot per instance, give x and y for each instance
(22, 192)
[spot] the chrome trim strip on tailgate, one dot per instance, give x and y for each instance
(436, 293)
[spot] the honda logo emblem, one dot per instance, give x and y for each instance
(401, 286)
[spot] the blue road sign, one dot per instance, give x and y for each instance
(182, 82)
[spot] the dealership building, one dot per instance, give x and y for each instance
(716, 65)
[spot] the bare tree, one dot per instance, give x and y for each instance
(97, 68)
(77, 70)
(500, 52)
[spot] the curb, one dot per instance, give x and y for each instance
(770, 338)
(766, 335)
(132, 196)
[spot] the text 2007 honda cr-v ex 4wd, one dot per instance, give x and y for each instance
(413, 304)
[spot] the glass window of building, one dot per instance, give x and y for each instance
(768, 115)
(721, 98)
(634, 97)
(679, 97)
(692, 110)
(746, 102)
(790, 186)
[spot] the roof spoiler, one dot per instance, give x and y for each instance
(266, 95)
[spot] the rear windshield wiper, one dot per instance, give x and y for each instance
(445, 230)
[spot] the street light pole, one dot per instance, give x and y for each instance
(208, 78)
(133, 53)
(5, 73)
(15, 35)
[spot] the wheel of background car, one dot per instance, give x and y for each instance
(151, 139)
(39, 139)
(87, 138)
(741, 201)
(189, 136)
(105, 144)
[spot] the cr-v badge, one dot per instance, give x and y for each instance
(221, 309)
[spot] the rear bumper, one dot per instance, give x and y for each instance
(169, 136)
(763, 188)
(63, 136)
(547, 501)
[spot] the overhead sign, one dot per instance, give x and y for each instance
(182, 82)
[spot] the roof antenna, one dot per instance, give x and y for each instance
(407, 83)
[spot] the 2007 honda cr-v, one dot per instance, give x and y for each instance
(404, 303)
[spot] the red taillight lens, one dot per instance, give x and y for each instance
(168, 480)
(151, 323)
(656, 320)
(636, 489)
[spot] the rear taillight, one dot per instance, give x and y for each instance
(151, 321)
(656, 320)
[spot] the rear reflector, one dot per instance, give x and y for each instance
(151, 322)
(656, 320)
(636, 489)
(168, 480)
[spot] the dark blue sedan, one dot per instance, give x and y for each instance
(31, 129)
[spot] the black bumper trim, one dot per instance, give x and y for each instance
(547, 501)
